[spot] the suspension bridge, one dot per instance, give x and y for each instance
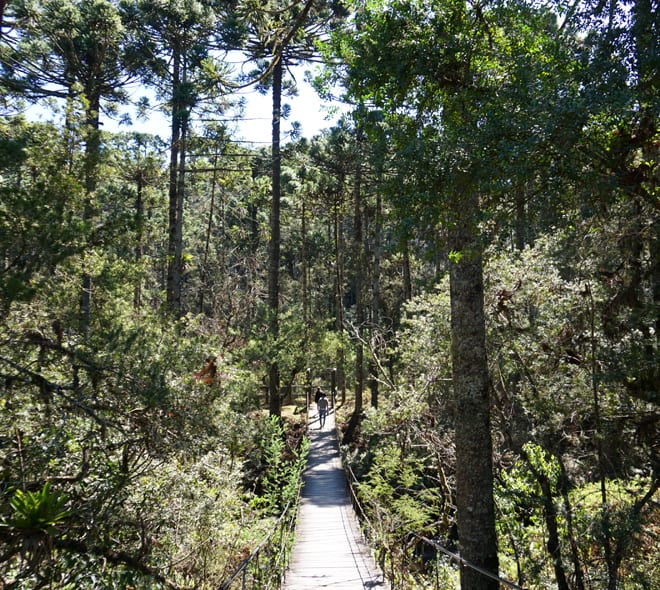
(329, 551)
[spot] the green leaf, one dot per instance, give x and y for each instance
(38, 511)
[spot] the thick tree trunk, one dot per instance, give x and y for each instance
(274, 245)
(474, 468)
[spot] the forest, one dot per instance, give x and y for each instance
(468, 259)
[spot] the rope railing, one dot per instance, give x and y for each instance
(465, 563)
(274, 549)
(351, 480)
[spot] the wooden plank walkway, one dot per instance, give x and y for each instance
(329, 550)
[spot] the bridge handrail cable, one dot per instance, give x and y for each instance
(352, 480)
(286, 521)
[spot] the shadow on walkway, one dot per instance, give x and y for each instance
(329, 550)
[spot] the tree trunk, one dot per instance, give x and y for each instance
(181, 188)
(578, 577)
(474, 468)
(358, 270)
(3, 3)
(553, 544)
(274, 245)
(646, 52)
(305, 266)
(339, 269)
(521, 223)
(375, 302)
(407, 276)
(339, 294)
(173, 286)
(204, 275)
(139, 230)
(92, 156)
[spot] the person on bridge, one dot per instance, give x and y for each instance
(317, 397)
(323, 409)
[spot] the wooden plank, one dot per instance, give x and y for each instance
(329, 550)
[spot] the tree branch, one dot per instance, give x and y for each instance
(116, 558)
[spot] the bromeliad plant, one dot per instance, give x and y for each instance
(36, 518)
(39, 511)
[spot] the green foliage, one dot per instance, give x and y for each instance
(281, 469)
(403, 486)
(38, 200)
(543, 346)
(39, 511)
(540, 349)
(425, 353)
(520, 514)
(522, 523)
(620, 521)
(397, 482)
(151, 462)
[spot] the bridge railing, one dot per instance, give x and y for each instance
(367, 526)
(371, 533)
(264, 568)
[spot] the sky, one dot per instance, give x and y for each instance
(255, 127)
(307, 108)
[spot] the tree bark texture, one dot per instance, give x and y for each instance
(180, 195)
(358, 282)
(305, 265)
(139, 228)
(204, 275)
(92, 157)
(474, 468)
(375, 302)
(174, 265)
(274, 244)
